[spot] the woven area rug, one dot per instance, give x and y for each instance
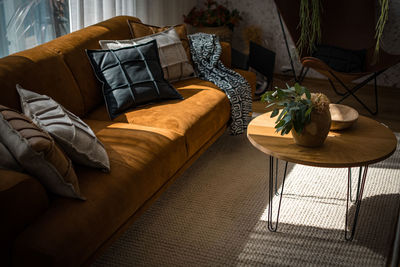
(215, 214)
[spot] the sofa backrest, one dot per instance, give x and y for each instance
(60, 68)
(72, 49)
(40, 70)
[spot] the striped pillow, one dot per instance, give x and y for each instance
(38, 154)
(71, 133)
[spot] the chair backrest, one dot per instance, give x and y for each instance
(348, 24)
(262, 60)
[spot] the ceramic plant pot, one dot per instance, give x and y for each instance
(223, 32)
(316, 131)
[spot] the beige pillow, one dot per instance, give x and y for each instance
(37, 153)
(71, 133)
(139, 29)
(173, 58)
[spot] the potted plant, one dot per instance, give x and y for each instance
(304, 114)
(214, 19)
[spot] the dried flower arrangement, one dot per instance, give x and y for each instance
(320, 102)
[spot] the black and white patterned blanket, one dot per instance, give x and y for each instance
(206, 51)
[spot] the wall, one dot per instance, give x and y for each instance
(263, 14)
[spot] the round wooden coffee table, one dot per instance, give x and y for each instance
(365, 143)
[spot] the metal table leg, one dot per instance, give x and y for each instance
(351, 183)
(271, 192)
(349, 235)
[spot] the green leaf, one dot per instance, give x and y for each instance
(274, 113)
(297, 123)
(270, 105)
(287, 129)
(298, 88)
(283, 112)
(279, 129)
(264, 98)
(288, 91)
(307, 92)
(280, 124)
(291, 108)
(287, 118)
(308, 112)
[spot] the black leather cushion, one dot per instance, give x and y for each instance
(340, 59)
(131, 76)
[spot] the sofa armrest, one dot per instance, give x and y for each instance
(226, 54)
(22, 200)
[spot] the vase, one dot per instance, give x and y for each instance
(223, 32)
(316, 131)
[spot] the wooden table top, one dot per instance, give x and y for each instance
(366, 142)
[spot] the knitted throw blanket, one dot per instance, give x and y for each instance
(206, 51)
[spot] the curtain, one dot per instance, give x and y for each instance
(155, 12)
(27, 23)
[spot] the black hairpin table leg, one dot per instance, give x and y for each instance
(349, 235)
(271, 192)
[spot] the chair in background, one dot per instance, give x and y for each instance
(347, 45)
(261, 60)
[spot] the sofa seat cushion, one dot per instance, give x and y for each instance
(142, 159)
(204, 110)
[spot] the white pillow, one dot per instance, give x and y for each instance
(173, 58)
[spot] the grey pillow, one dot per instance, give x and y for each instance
(173, 58)
(7, 161)
(70, 132)
(37, 153)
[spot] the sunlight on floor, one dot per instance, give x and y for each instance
(317, 198)
(312, 219)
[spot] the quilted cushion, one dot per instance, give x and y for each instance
(131, 76)
(70, 132)
(37, 153)
(173, 58)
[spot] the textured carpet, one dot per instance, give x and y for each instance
(215, 214)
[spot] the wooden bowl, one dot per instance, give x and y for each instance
(342, 116)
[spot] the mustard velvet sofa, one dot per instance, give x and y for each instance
(149, 147)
